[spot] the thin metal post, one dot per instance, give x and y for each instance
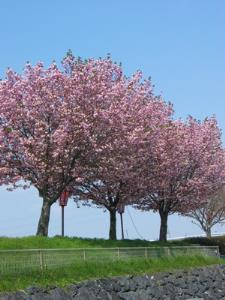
(62, 220)
(121, 221)
(218, 252)
(168, 251)
(41, 259)
(146, 253)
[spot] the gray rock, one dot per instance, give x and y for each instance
(14, 296)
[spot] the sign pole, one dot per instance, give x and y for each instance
(120, 210)
(121, 220)
(63, 199)
(62, 220)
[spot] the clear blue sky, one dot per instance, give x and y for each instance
(179, 43)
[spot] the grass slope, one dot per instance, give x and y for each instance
(35, 242)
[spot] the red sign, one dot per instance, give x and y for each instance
(120, 208)
(63, 199)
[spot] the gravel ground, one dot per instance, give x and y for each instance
(199, 283)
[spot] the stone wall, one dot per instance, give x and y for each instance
(200, 283)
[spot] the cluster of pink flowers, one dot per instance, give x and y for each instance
(106, 137)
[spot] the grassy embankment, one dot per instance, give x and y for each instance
(82, 270)
(33, 242)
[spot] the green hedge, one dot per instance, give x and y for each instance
(213, 241)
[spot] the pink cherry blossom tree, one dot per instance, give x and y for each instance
(53, 123)
(187, 164)
(115, 180)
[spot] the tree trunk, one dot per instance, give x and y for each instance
(163, 226)
(208, 232)
(43, 223)
(112, 230)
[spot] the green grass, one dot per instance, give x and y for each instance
(91, 270)
(34, 242)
